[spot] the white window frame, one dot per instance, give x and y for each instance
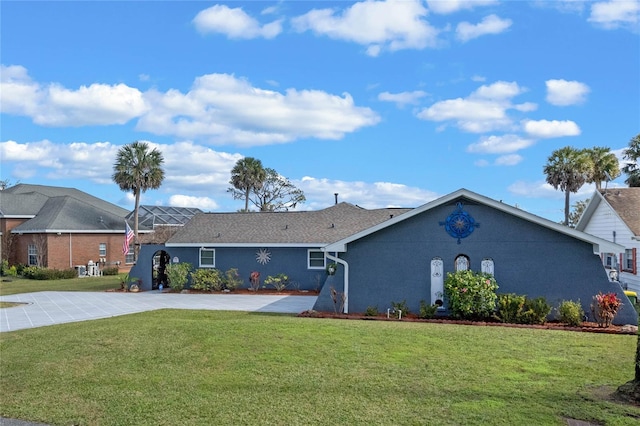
(129, 257)
(627, 261)
(207, 265)
(102, 249)
(32, 253)
(324, 259)
(609, 260)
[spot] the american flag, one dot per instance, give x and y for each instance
(128, 236)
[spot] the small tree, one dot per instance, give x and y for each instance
(277, 193)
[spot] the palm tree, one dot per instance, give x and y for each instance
(138, 169)
(246, 176)
(604, 165)
(632, 168)
(567, 169)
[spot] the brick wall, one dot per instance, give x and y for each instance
(68, 250)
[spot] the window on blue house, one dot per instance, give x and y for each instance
(207, 258)
(315, 259)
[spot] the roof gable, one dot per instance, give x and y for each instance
(599, 244)
(623, 202)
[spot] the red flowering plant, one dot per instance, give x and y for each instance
(254, 280)
(605, 307)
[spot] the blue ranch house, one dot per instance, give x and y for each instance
(393, 255)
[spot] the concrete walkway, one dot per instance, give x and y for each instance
(58, 307)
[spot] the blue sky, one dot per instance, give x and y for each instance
(386, 103)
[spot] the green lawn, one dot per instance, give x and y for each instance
(14, 285)
(175, 367)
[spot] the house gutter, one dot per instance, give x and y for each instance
(346, 279)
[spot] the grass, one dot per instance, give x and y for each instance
(15, 285)
(174, 367)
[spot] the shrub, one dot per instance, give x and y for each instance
(534, 311)
(178, 274)
(605, 307)
(427, 311)
(207, 279)
(9, 271)
(571, 313)
(471, 295)
(110, 271)
(232, 279)
(279, 282)
(371, 311)
(400, 306)
(37, 273)
(509, 307)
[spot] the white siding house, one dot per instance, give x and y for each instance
(614, 215)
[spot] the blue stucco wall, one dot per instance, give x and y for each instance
(393, 264)
(289, 261)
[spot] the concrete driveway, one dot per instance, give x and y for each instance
(58, 307)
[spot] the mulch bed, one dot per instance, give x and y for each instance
(588, 327)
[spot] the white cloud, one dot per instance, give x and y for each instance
(500, 144)
(508, 160)
(451, 6)
(539, 189)
(202, 203)
(545, 129)
(483, 111)
(234, 23)
(491, 24)
(614, 14)
(378, 25)
(563, 92)
(195, 175)
(403, 98)
(75, 160)
(54, 105)
(364, 194)
(224, 109)
(219, 108)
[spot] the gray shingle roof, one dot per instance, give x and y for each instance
(317, 227)
(58, 191)
(626, 203)
(70, 214)
(21, 205)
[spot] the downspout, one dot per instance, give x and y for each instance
(346, 279)
(70, 252)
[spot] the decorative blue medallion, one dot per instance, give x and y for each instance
(459, 224)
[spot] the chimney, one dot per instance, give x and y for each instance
(336, 196)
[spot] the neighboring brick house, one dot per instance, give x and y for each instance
(614, 215)
(61, 228)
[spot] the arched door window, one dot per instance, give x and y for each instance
(487, 265)
(462, 262)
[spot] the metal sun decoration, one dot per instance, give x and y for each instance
(459, 224)
(263, 256)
